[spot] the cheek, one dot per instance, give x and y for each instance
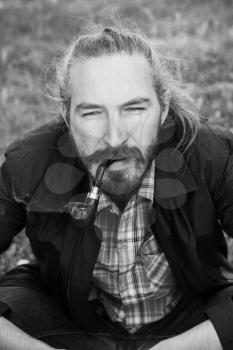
(86, 135)
(146, 132)
(131, 125)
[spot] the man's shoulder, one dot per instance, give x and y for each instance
(211, 152)
(27, 158)
(214, 141)
(39, 140)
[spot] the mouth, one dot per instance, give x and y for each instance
(118, 159)
(116, 163)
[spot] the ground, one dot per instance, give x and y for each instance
(33, 32)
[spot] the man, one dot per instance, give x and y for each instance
(151, 272)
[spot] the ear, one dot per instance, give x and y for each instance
(166, 103)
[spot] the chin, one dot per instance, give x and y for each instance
(118, 183)
(115, 189)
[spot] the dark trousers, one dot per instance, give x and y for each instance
(42, 316)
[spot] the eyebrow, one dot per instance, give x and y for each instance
(137, 101)
(134, 101)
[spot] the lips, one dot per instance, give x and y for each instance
(118, 159)
(117, 163)
(115, 160)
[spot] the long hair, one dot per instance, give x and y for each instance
(116, 39)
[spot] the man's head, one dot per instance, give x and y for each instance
(115, 114)
(115, 95)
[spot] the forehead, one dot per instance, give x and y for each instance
(111, 78)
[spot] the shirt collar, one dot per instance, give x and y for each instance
(146, 189)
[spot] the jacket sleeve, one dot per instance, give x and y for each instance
(220, 307)
(12, 213)
(220, 311)
(223, 196)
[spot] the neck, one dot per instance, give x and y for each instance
(121, 200)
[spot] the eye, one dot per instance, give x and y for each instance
(134, 110)
(91, 114)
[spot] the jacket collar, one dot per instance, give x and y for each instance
(65, 179)
(173, 177)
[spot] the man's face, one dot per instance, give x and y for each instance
(115, 114)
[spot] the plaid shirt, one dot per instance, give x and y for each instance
(132, 276)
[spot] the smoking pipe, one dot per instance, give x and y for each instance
(83, 213)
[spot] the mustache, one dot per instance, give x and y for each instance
(119, 152)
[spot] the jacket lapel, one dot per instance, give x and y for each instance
(61, 182)
(174, 184)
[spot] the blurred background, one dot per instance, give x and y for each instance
(33, 32)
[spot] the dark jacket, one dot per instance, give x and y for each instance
(193, 205)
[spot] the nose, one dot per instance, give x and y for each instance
(115, 134)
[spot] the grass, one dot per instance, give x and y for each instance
(33, 32)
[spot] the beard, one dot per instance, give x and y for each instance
(123, 180)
